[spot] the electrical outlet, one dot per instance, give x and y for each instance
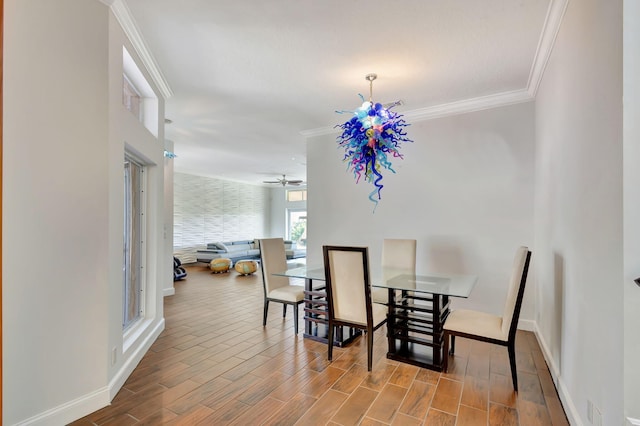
(114, 355)
(590, 411)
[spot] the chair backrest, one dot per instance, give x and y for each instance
(347, 280)
(515, 294)
(399, 256)
(273, 259)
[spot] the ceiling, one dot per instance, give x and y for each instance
(250, 79)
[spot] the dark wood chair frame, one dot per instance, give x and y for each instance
(511, 341)
(284, 302)
(369, 328)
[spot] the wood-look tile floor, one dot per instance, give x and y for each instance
(215, 364)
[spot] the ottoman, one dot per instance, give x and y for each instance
(220, 265)
(246, 267)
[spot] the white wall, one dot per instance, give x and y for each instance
(278, 222)
(208, 210)
(65, 131)
(578, 219)
(279, 210)
(464, 191)
(631, 168)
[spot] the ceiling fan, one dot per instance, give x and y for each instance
(284, 181)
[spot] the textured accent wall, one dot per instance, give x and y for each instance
(207, 210)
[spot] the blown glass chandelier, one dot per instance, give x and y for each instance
(371, 138)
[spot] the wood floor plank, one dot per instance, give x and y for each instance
(405, 420)
(447, 396)
(469, 416)
(355, 407)
(262, 388)
(216, 364)
(501, 390)
(529, 388)
(530, 413)
(258, 413)
(478, 366)
(418, 399)
(501, 415)
(557, 414)
(322, 382)
(158, 418)
(147, 408)
(439, 418)
(351, 379)
(404, 375)
(289, 414)
(378, 378)
(319, 414)
(457, 368)
(232, 390)
(428, 376)
(296, 384)
(194, 416)
(196, 396)
(475, 393)
(226, 414)
(368, 421)
(387, 403)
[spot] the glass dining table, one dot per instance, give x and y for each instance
(417, 309)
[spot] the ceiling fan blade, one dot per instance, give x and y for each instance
(271, 181)
(294, 182)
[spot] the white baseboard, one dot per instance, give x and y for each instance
(169, 291)
(132, 362)
(567, 403)
(86, 404)
(70, 411)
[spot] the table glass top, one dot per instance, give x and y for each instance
(445, 284)
(313, 273)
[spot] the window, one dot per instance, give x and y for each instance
(297, 195)
(131, 98)
(133, 249)
(137, 95)
(297, 224)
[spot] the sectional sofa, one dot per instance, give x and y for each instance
(243, 249)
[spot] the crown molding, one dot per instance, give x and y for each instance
(551, 26)
(555, 14)
(130, 28)
(444, 110)
(468, 105)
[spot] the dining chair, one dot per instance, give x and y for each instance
(499, 330)
(398, 255)
(349, 294)
(278, 288)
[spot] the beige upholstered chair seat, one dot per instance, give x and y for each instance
(478, 323)
(499, 330)
(276, 287)
(291, 293)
